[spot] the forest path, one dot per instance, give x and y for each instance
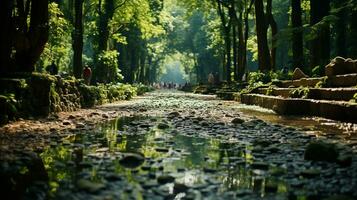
(180, 144)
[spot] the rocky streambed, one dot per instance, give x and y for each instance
(182, 146)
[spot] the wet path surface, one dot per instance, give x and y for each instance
(185, 146)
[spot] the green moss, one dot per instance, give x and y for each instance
(270, 90)
(322, 83)
(300, 92)
(91, 95)
(8, 108)
(354, 98)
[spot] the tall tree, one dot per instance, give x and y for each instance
(30, 41)
(353, 37)
(297, 37)
(274, 31)
(226, 26)
(261, 28)
(6, 7)
(78, 38)
(320, 45)
(341, 27)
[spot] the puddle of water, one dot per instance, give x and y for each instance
(201, 163)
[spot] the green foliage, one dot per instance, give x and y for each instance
(103, 93)
(142, 89)
(270, 90)
(8, 108)
(300, 92)
(58, 48)
(322, 83)
(108, 67)
(354, 98)
(317, 71)
(92, 95)
(258, 78)
(121, 92)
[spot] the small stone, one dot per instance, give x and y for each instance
(237, 120)
(179, 187)
(320, 151)
(260, 165)
(339, 197)
(89, 186)
(209, 170)
(132, 160)
(271, 187)
(173, 114)
(344, 160)
(163, 126)
(165, 179)
(161, 149)
(310, 173)
(298, 74)
(66, 123)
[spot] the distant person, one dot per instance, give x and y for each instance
(87, 74)
(210, 79)
(52, 69)
(285, 70)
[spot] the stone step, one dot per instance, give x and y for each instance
(347, 80)
(341, 94)
(337, 110)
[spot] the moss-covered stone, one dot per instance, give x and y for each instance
(8, 108)
(321, 151)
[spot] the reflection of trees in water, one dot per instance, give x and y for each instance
(197, 147)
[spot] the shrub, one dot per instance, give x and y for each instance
(121, 92)
(8, 108)
(142, 89)
(108, 70)
(92, 95)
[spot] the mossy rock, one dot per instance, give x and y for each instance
(8, 109)
(321, 151)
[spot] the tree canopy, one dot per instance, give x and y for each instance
(135, 40)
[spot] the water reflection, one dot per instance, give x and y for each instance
(194, 161)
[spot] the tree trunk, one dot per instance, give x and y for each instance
(320, 45)
(226, 26)
(78, 39)
(353, 50)
(274, 31)
(297, 38)
(241, 47)
(235, 53)
(28, 53)
(104, 19)
(228, 52)
(246, 33)
(261, 27)
(6, 7)
(340, 25)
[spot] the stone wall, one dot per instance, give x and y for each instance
(38, 94)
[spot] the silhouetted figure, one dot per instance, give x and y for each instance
(210, 79)
(52, 69)
(87, 74)
(285, 70)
